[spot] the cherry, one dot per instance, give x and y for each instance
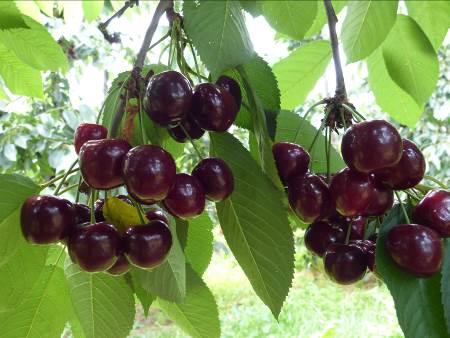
(213, 107)
(371, 145)
(351, 191)
(216, 178)
(147, 245)
(101, 162)
(434, 211)
(232, 87)
(120, 267)
(98, 210)
(345, 264)
(82, 213)
(415, 248)
(168, 98)
(368, 247)
(357, 227)
(408, 172)
(291, 160)
(186, 198)
(309, 197)
(87, 132)
(381, 200)
(194, 132)
(46, 219)
(94, 247)
(149, 172)
(156, 214)
(320, 235)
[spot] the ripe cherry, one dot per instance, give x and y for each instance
(345, 264)
(120, 267)
(147, 245)
(94, 247)
(101, 162)
(309, 197)
(82, 213)
(168, 98)
(154, 213)
(213, 107)
(190, 126)
(88, 132)
(357, 227)
(320, 235)
(149, 172)
(186, 198)
(291, 160)
(415, 248)
(46, 219)
(371, 145)
(351, 191)
(232, 87)
(408, 172)
(98, 210)
(368, 247)
(434, 211)
(381, 200)
(216, 178)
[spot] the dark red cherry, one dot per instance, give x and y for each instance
(120, 267)
(168, 98)
(94, 247)
(309, 197)
(345, 264)
(101, 162)
(381, 201)
(232, 87)
(46, 219)
(98, 210)
(147, 245)
(149, 172)
(216, 178)
(351, 191)
(320, 235)
(82, 213)
(213, 107)
(291, 160)
(434, 211)
(357, 227)
(415, 248)
(156, 214)
(186, 198)
(188, 125)
(88, 132)
(408, 172)
(371, 145)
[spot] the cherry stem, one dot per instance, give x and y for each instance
(119, 103)
(68, 172)
(165, 36)
(353, 111)
(141, 120)
(199, 154)
(99, 115)
(77, 197)
(329, 156)
(171, 47)
(70, 187)
(300, 125)
(56, 179)
(102, 26)
(435, 180)
(349, 231)
(91, 204)
(402, 206)
(138, 208)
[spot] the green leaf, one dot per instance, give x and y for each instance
(256, 227)
(433, 17)
(29, 8)
(43, 311)
(292, 128)
(92, 9)
(254, 7)
(299, 71)
(321, 17)
(168, 280)
(10, 16)
(417, 300)
(199, 246)
(14, 190)
(366, 26)
(3, 95)
(112, 99)
(389, 96)
(120, 213)
(103, 304)
(292, 18)
(445, 285)
(145, 297)
(197, 315)
(411, 60)
(218, 31)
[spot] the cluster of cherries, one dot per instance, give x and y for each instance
(378, 162)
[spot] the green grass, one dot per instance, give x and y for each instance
(315, 307)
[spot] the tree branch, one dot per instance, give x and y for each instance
(332, 20)
(114, 37)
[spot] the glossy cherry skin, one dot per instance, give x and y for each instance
(408, 172)
(232, 87)
(120, 267)
(168, 98)
(216, 178)
(186, 198)
(88, 132)
(82, 213)
(434, 211)
(309, 197)
(147, 245)
(381, 200)
(345, 264)
(291, 160)
(368, 247)
(358, 227)
(319, 235)
(154, 213)
(188, 125)
(94, 247)
(351, 191)
(98, 210)
(415, 248)
(101, 162)
(213, 107)
(371, 145)
(149, 172)
(46, 219)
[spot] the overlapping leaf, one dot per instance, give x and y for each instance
(445, 285)
(10, 17)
